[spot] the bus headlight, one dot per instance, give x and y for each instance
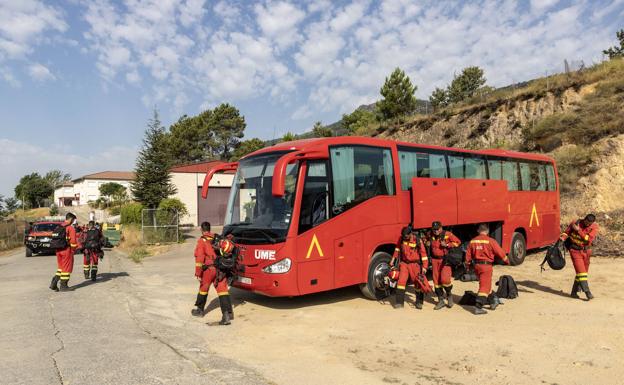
(280, 267)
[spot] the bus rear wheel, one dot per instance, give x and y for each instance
(378, 269)
(517, 252)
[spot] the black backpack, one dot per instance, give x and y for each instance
(454, 256)
(468, 299)
(554, 257)
(92, 239)
(506, 287)
(58, 240)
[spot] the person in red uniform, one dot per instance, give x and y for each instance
(65, 257)
(439, 242)
(92, 247)
(412, 257)
(204, 261)
(483, 250)
(578, 238)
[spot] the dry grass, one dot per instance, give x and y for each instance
(31, 214)
(132, 244)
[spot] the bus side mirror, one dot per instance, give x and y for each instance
(279, 172)
(220, 168)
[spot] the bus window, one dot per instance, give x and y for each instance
(474, 167)
(510, 174)
(360, 173)
(525, 176)
(315, 197)
(420, 164)
(550, 177)
(456, 166)
(538, 177)
(495, 168)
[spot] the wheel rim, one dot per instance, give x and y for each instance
(381, 271)
(518, 249)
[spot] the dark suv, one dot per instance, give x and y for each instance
(38, 239)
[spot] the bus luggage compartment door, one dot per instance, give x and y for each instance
(433, 199)
(480, 200)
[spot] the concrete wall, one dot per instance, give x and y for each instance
(187, 183)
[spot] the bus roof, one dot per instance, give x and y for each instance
(302, 144)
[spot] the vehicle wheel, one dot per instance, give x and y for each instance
(28, 252)
(378, 268)
(518, 249)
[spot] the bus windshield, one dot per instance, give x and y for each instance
(254, 215)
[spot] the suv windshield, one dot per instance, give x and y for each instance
(44, 227)
(254, 215)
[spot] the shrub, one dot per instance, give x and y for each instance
(116, 210)
(54, 209)
(131, 213)
(173, 204)
(138, 254)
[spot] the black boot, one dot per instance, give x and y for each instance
(54, 283)
(420, 299)
(479, 305)
(449, 296)
(64, 286)
(575, 289)
(93, 273)
(230, 310)
(585, 287)
(224, 301)
(493, 301)
(399, 299)
(440, 293)
(200, 304)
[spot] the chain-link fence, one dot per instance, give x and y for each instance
(11, 233)
(160, 226)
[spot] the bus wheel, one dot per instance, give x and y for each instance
(378, 269)
(518, 249)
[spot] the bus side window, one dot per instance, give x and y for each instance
(550, 177)
(456, 166)
(315, 197)
(525, 176)
(408, 162)
(495, 169)
(475, 167)
(422, 164)
(538, 177)
(510, 174)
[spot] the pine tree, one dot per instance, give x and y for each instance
(152, 182)
(465, 84)
(438, 98)
(615, 52)
(320, 131)
(398, 93)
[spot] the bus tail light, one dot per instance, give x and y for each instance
(280, 267)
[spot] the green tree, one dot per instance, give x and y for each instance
(173, 204)
(152, 183)
(56, 178)
(358, 120)
(192, 139)
(33, 190)
(288, 137)
(439, 98)
(11, 205)
(114, 192)
(398, 96)
(615, 52)
(246, 147)
(228, 127)
(465, 84)
(320, 131)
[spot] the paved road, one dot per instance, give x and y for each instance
(100, 333)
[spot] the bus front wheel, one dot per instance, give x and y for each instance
(518, 249)
(378, 269)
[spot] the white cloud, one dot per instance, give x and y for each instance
(279, 20)
(40, 73)
(21, 158)
(301, 113)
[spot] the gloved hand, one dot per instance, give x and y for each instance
(205, 267)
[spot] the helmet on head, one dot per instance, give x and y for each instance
(226, 246)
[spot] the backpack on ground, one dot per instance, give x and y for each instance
(554, 257)
(58, 240)
(468, 299)
(506, 287)
(92, 239)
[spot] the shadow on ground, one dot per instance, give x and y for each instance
(538, 286)
(103, 277)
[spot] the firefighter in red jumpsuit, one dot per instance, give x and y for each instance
(65, 257)
(413, 262)
(439, 242)
(483, 250)
(91, 250)
(207, 273)
(578, 238)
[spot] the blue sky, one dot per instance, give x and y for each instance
(78, 79)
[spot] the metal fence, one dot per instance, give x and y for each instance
(11, 233)
(160, 226)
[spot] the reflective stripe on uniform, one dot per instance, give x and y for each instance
(423, 259)
(203, 293)
(479, 241)
(482, 294)
(401, 287)
(223, 293)
(198, 264)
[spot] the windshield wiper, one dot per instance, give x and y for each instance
(239, 224)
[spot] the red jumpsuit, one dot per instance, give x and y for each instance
(65, 257)
(483, 250)
(413, 262)
(204, 257)
(90, 256)
(442, 273)
(580, 247)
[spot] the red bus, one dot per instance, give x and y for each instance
(319, 214)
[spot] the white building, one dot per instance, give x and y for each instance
(87, 188)
(189, 179)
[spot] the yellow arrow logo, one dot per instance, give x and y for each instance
(534, 216)
(314, 243)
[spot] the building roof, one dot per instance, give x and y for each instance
(109, 175)
(199, 167)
